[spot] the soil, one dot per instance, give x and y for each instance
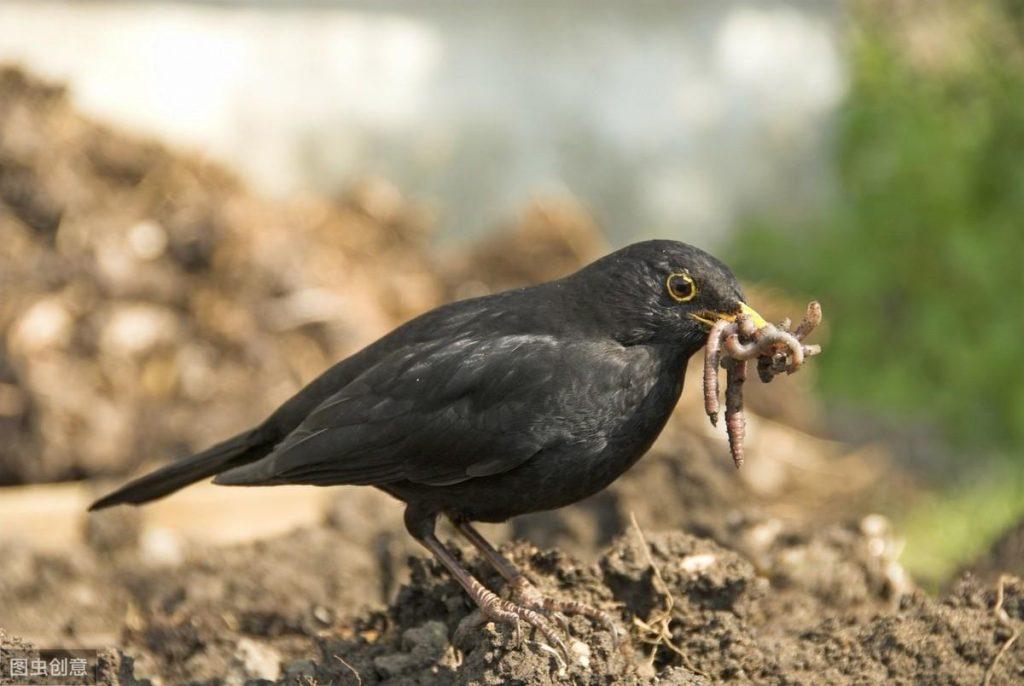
(284, 611)
(152, 305)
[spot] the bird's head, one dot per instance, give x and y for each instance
(662, 291)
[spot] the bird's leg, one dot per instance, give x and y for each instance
(497, 560)
(523, 589)
(491, 605)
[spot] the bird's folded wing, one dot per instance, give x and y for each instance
(430, 413)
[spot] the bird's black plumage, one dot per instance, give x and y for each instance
(491, 407)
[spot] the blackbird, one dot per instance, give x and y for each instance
(492, 407)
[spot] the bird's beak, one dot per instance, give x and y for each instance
(709, 318)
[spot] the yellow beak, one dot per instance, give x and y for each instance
(758, 320)
(710, 318)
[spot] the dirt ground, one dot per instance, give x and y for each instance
(152, 304)
(818, 605)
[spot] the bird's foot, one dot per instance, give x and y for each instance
(524, 592)
(498, 609)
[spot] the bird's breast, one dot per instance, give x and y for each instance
(645, 412)
(624, 424)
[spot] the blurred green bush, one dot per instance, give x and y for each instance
(918, 257)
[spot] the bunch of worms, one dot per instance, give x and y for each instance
(732, 344)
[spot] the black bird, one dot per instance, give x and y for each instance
(492, 407)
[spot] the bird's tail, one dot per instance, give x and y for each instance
(234, 452)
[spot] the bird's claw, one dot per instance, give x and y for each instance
(498, 609)
(560, 657)
(561, 620)
(528, 594)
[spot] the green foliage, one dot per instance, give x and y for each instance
(919, 258)
(949, 529)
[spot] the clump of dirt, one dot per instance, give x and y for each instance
(692, 612)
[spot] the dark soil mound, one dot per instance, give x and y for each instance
(693, 613)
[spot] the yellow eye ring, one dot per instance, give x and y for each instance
(681, 287)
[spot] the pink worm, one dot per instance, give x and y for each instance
(712, 355)
(811, 320)
(776, 350)
(735, 422)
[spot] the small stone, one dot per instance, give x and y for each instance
(323, 615)
(45, 324)
(762, 535)
(693, 564)
(258, 659)
(161, 546)
(132, 329)
(580, 652)
(147, 239)
(875, 525)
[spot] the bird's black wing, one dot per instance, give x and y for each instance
(438, 414)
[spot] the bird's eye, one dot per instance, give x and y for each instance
(681, 286)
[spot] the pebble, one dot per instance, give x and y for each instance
(259, 660)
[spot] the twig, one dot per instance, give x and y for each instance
(359, 679)
(657, 625)
(1003, 619)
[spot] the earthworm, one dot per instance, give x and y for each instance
(772, 338)
(811, 320)
(712, 354)
(739, 351)
(732, 344)
(735, 423)
(769, 366)
(746, 325)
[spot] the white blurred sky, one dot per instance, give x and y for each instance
(666, 118)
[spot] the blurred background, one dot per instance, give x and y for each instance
(203, 204)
